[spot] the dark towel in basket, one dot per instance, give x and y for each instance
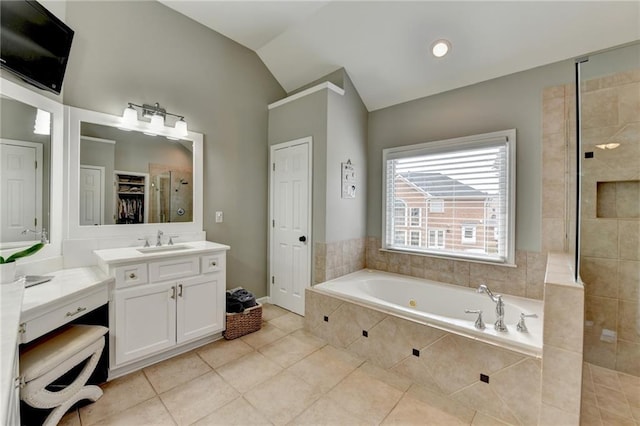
(233, 304)
(245, 297)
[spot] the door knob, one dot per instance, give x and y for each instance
(302, 239)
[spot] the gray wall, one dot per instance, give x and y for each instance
(143, 52)
(304, 117)
(347, 140)
(514, 101)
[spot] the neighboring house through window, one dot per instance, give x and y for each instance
(466, 187)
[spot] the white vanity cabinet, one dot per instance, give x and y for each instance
(160, 305)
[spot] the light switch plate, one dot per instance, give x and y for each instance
(219, 217)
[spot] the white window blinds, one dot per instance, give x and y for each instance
(464, 190)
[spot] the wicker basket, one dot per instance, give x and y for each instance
(243, 323)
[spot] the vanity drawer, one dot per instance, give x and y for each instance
(175, 268)
(130, 275)
(212, 262)
(39, 326)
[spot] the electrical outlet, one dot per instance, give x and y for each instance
(219, 217)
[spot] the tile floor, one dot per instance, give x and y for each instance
(282, 375)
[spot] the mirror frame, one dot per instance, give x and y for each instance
(36, 100)
(74, 117)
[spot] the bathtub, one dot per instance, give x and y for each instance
(441, 306)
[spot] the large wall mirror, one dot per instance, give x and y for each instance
(30, 169)
(123, 181)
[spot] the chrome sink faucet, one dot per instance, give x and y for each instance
(497, 298)
(159, 238)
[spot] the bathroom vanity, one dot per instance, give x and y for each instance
(163, 301)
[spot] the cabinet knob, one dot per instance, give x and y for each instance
(132, 276)
(214, 263)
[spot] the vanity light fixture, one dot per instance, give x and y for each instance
(157, 126)
(441, 47)
(42, 126)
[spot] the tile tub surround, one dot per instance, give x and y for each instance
(442, 362)
(524, 280)
(338, 258)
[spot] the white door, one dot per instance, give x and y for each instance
(91, 195)
(290, 257)
(145, 321)
(20, 189)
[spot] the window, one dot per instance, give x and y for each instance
(400, 213)
(436, 205)
(436, 238)
(415, 238)
(400, 238)
(415, 216)
(469, 182)
(468, 234)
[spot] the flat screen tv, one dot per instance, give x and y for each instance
(34, 44)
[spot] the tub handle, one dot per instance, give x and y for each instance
(479, 323)
(522, 327)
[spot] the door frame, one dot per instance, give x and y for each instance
(102, 171)
(308, 140)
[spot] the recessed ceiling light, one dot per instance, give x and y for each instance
(441, 47)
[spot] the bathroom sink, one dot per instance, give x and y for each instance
(162, 249)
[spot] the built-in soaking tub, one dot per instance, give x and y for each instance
(442, 306)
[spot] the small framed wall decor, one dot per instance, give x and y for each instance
(348, 180)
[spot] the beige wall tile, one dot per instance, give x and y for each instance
(629, 280)
(628, 357)
(520, 385)
(563, 317)
(553, 115)
(606, 200)
(550, 415)
(599, 108)
(553, 235)
(553, 200)
(603, 311)
(599, 238)
(629, 239)
(600, 276)
(561, 379)
(628, 324)
(628, 199)
(347, 322)
(553, 159)
(629, 103)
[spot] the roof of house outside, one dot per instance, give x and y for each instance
(441, 186)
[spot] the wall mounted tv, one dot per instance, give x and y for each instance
(34, 44)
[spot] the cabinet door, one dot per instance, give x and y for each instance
(145, 321)
(201, 306)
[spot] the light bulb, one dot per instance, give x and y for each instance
(440, 48)
(130, 115)
(157, 123)
(181, 128)
(42, 126)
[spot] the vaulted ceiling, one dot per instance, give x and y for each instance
(385, 45)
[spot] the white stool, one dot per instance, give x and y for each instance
(46, 361)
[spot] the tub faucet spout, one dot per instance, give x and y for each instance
(497, 299)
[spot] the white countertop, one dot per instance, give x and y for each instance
(10, 303)
(66, 283)
(18, 304)
(131, 254)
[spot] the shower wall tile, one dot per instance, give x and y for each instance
(338, 258)
(628, 199)
(599, 109)
(553, 235)
(628, 357)
(629, 239)
(629, 280)
(536, 268)
(600, 276)
(599, 238)
(628, 324)
(554, 109)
